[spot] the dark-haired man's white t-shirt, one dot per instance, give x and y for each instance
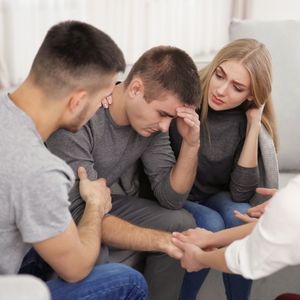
(34, 187)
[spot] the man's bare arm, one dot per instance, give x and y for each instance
(122, 234)
(72, 253)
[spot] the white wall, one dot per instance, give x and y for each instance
(197, 26)
(273, 9)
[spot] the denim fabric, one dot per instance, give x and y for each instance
(109, 281)
(215, 214)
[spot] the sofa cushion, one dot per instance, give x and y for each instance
(282, 38)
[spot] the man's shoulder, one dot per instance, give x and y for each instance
(63, 138)
(40, 163)
(48, 163)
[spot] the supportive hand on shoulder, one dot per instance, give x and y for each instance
(105, 102)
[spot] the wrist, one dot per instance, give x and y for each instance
(95, 205)
(162, 242)
(194, 146)
(211, 240)
(254, 124)
(254, 128)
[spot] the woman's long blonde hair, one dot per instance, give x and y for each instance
(257, 60)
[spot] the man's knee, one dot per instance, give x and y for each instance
(178, 220)
(126, 276)
(136, 279)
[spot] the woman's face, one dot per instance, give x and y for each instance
(229, 86)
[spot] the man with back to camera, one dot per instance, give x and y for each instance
(74, 69)
(163, 84)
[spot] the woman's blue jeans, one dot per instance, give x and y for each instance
(215, 214)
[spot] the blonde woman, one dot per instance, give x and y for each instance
(237, 152)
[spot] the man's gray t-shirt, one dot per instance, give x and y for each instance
(34, 188)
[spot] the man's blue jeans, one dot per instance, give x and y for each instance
(109, 281)
(215, 214)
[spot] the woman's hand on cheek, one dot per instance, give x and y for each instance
(254, 115)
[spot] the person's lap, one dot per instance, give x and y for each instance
(224, 205)
(164, 274)
(108, 281)
(150, 214)
(216, 212)
(205, 217)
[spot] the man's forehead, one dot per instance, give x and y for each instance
(169, 106)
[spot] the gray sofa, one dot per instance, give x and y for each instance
(283, 40)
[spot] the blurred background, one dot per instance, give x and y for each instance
(200, 27)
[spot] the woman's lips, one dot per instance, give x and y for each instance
(217, 101)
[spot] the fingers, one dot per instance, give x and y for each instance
(258, 210)
(106, 101)
(82, 173)
(266, 191)
(102, 181)
(175, 252)
(178, 243)
(180, 236)
(255, 214)
(243, 217)
(189, 115)
(109, 99)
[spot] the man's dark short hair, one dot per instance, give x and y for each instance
(75, 53)
(167, 68)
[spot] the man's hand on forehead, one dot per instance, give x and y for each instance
(189, 115)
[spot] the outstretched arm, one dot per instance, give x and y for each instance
(122, 234)
(206, 239)
(262, 252)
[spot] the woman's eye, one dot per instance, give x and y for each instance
(238, 89)
(219, 75)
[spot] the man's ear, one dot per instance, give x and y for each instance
(77, 100)
(136, 87)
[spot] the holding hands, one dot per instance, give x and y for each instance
(191, 243)
(197, 236)
(191, 257)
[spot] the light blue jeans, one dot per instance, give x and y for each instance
(215, 214)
